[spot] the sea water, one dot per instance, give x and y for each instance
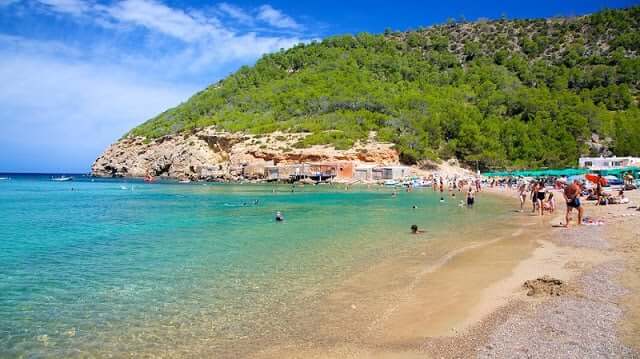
(120, 267)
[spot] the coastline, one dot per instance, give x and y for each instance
(597, 313)
(487, 312)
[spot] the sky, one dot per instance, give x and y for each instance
(75, 75)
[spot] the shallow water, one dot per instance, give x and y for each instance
(119, 268)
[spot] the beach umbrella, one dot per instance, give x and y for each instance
(592, 177)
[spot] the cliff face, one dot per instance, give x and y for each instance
(211, 154)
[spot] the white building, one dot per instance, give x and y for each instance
(602, 163)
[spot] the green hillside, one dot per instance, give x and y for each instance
(504, 93)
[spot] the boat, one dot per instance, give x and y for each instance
(391, 182)
(62, 179)
(4, 178)
(184, 181)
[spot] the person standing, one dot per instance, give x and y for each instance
(470, 197)
(540, 196)
(533, 196)
(522, 193)
(598, 189)
(571, 195)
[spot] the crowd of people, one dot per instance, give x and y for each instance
(541, 193)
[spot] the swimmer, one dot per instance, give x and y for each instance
(415, 230)
(441, 199)
(279, 217)
(414, 207)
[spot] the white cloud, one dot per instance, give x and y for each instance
(159, 17)
(236, 13)
(73, 7)
(276, 18)
(207, 40)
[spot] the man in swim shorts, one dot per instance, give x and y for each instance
(470, 197)
(572, 197)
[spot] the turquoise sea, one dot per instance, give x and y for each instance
(122, 268)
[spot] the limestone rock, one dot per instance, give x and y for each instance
(210, 154)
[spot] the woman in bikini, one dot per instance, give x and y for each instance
(522, 193)
(540, 196)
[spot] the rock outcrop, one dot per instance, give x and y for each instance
(210, 154)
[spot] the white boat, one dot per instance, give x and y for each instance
(390, 182)
(185, 181)
(4, 178)
(423, 183)
(62, 179)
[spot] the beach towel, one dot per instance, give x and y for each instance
(593, 221)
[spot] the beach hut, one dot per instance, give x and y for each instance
(256, 170)
(282, 172)
(376, 174)
(395, 172)
(271, 173)
(364, 172)
(285, 172)
(325, 169)
(345, 170)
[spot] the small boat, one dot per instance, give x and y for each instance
(391, 182)
(4, 178)
(62, 179)
(184, 181)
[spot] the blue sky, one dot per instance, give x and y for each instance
(77, 74)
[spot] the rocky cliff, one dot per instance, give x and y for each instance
(211, 154)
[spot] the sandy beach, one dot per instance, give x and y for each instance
(582, 299)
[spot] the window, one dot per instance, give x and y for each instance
(588, 163)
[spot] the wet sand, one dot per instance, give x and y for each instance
(470, 301)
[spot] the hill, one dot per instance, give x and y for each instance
(501, 93)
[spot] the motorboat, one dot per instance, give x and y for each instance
(62, 179)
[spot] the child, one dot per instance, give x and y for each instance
(550, 203)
